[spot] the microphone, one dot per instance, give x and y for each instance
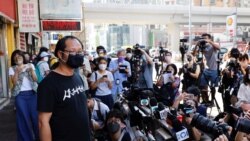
(153, 104)
(161, 112)
(144, 100)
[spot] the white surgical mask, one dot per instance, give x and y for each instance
(46, 59)
(168, 59)
(102, 66)
(129, 55)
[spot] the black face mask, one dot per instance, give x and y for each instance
(113, 127)
(189, 59)
(75, 61)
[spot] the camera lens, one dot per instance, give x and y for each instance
(243, 125)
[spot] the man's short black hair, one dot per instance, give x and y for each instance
(206, 34)
(116, 114)
(98, 48)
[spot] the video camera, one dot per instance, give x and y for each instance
(183, 48)
(211, 127)
(243, 125)
(162, 53)
(201, 44)
(136, 52)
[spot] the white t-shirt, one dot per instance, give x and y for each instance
(102, 88)
(43, 67)
(26, 83)
(244, 93)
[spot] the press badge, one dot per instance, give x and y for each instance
(117, 82)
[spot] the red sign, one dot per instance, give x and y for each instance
(8, 9)
(52, 25)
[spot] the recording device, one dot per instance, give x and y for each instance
(136, 51)
(243, 125)
(161, 112)
(144, 100)
(122, 68)
(234, 110)
(235, 53)
(215, 129)
(153, 104)
(201, 44)
(183, 48)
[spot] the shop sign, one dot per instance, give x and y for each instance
(28, 15)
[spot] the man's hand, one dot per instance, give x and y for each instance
(221, 138)
(247, 114)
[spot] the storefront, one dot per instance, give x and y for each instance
(7, 42)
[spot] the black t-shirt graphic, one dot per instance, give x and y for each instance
(65, 98)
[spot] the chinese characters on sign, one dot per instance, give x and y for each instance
(28, 15)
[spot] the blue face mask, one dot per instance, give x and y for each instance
(144, 102)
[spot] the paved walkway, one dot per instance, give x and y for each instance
(8, 123)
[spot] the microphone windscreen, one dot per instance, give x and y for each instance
(153, 101)
(161, 106)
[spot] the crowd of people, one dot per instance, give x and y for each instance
(68, 95)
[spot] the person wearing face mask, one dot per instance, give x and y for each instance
(191, 71)
(43, 65)
(101, 51)
(116, 127)
(121, 71)
(244, 62)
(169, 84)
(62, 102)
(23, 78)
(244, 92)
(102, 81)
(129, 58)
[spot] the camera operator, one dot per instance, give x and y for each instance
(116, 127)
(231, 78)
(190, 106)
(210, 50)
(145, 79)
(191, 71)
(244, 91)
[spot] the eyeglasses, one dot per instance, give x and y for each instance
(74, 53)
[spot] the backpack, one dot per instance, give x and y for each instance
(38, 73)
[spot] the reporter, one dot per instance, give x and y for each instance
(102, 80)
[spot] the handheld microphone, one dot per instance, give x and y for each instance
(161, 112)
(153, 104)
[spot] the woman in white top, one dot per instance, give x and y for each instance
(102, 80)
(244, 91)
(23, 78)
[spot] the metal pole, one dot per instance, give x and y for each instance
(190, 24)
(236, 14)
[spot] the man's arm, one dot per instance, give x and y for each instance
(215, 46)
(44, 127)
(148, 58)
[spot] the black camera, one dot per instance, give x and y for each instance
(209, 126)
(233, 65)
(243, 125)
(235, 53)
(183, 48)
(234, 110)
(136, 51)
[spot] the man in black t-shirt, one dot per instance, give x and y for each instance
(62, 103)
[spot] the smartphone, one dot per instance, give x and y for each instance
(190, 96)
(105, 76)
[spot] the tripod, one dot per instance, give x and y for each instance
(211, 86)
